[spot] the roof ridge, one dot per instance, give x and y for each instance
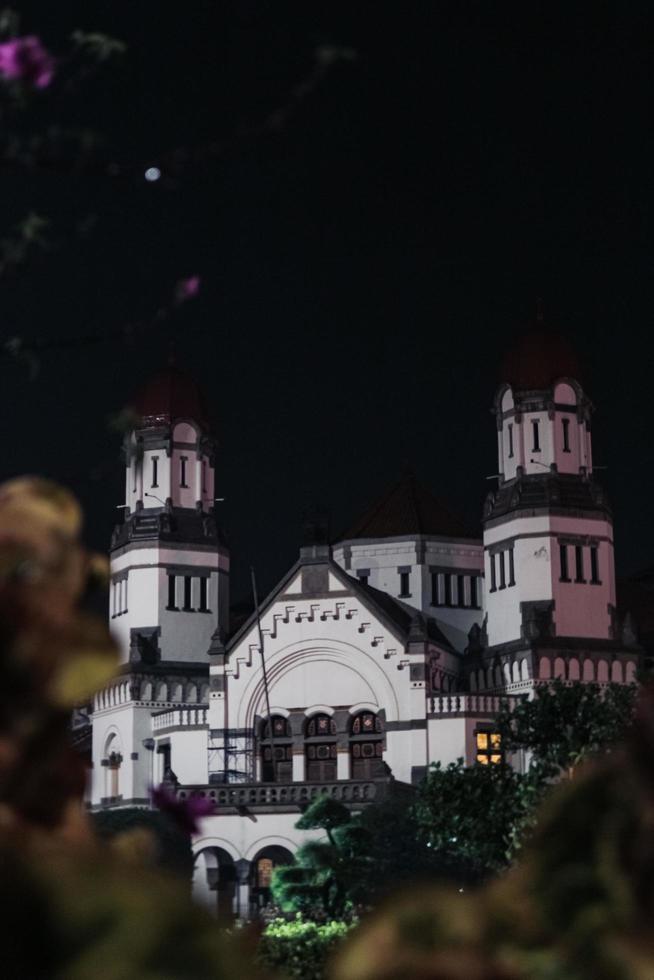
(408, 507)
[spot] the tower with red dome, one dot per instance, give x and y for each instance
(169, 582)
(548, 529)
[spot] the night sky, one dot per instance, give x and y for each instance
(364, 264)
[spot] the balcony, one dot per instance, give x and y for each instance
(473, 705)
(194, 716)
(270, 797)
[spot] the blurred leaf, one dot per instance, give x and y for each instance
(100, 46)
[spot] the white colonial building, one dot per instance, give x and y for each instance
(384, 651)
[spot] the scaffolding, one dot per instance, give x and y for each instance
(231, 755)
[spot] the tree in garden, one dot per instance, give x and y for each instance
(577, 907)
(474, 817)
(328, 877)
(365, 856)
(565, 723)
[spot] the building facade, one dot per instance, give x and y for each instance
(383, 652)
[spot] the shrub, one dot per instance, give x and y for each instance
(173, 852)
(301, 948)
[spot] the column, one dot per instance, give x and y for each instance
(342, 762)
(242, 892)
(298, 764)
(198, 479)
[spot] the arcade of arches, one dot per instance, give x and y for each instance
(231, 888)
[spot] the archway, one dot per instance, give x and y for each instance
(262, 866)
(214, 882)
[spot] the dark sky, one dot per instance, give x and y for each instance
(363, 267)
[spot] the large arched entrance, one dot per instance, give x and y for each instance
(214, 882)
(261, 870)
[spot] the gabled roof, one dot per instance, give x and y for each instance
(400, 613)
(408, 508)
(397, 616)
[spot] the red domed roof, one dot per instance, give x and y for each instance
(538, 358)
(172, 394)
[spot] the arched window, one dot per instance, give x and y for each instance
(320, 749)
(366, 746)
(282, 771)
(113, 760)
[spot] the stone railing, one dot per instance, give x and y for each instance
(462, 704)
(249, 795)
(191, 716)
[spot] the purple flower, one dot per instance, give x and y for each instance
(184, 813)
(25, 59)
(187, 288)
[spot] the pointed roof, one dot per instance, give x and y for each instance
(171, 394)
(539, 357)
(408, 508)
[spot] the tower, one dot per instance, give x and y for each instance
(548, 530)
(169, 585)
(169, 566)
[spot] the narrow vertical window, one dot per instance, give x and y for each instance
(203, 594)
(492, 571)
(155, 467)
(460, 590)
(125, 595)
(510, 440)
(511, 568)
(447, 580)
(535, 428)
(363, 575)
(566, 435)
(434, 588)
(187, 593)
(473, 592)
(563, 555)
(171, 592)
(404, 584)
(182, 471)
(579, 564)
(502, 570)
(594, 565)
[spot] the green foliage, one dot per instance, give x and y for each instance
(326, 881)
(577, 907)
(173, 847)
(300, 948)
(565, 723)
(364, 857)
(474, 817)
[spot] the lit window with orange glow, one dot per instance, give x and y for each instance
(489, 748)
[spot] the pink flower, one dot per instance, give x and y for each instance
(184, 813)
(25, 59)
(187, 288)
